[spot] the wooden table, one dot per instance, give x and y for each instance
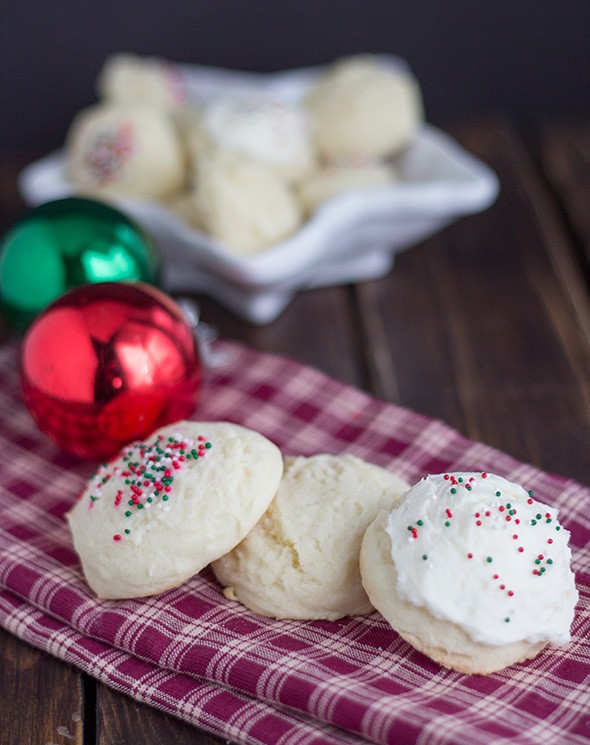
(485, 326)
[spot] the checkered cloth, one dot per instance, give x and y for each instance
(213, 663)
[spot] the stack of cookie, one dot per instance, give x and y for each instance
(247, 168)
(468, 567)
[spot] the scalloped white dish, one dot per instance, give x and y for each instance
(353, 237)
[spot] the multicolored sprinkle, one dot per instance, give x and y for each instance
(148, 474)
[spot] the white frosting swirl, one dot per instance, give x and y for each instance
(265, 129)
(480, 552)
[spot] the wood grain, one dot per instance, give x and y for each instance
(42, 700)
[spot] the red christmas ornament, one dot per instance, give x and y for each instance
(107, 364)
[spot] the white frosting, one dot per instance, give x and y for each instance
(480, 552)
(263, 128)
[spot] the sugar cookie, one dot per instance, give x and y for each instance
(302, 559)
(362, 108)
(166, 507)
(128, 150)
(472, 571)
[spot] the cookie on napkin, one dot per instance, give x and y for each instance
(165, 507)
(471, 570)
(302, 559)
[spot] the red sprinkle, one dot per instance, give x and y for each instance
(116, 537)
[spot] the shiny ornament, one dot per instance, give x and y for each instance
(64, 244)
(107, 364)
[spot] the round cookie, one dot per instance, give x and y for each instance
(128, 78)
(242, 204)
(363, 108)
(302, 559)
(131, 150)
(263, 128)
(166, 507)
(472, 571)
(329, 182)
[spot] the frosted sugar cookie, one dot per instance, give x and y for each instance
(361, 107)
(166, 507)
(471, 570)
(263, 128)
(302, 559)
(133, 150)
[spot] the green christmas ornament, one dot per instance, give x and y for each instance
(64, 244)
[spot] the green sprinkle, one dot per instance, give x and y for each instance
(447, 523)
(425, 556)
(419, 522)
(127, 514)
(127, 531)
(549, 561)
(208, 445)
(507, 620)
(489, 559)
(165, 498)
(498, 493)
(453, 490)
(139, 506)
(533, 522)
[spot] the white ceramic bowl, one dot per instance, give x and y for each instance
(353, 237)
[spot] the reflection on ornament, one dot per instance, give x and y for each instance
(107, 364)
(64, 244)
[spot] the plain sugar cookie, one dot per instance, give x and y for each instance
(471, 570)
(302, 559)
(166, 507)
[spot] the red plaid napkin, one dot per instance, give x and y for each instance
(211, 662)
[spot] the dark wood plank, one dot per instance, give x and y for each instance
(318, 328)
(564, 151)
(122, 720)
(42, 699)
(479, 329)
